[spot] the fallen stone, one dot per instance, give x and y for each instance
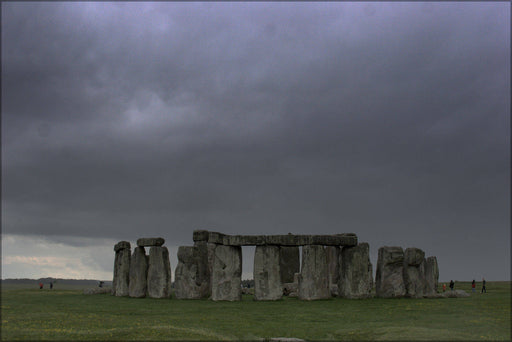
(431, 275)
(356, 279)
(414, 272)
(313, 279)
(289, 262)
(267, 275)
(286, 339)
(120, 283)
(159, 273)
(97, 290)
(389, 280)
(226, 274)
(455, 294)
(150, 242)
(138, 273)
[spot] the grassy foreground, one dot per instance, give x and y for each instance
(67, 314)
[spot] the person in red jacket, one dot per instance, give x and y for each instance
(473, 285)
(40, 286)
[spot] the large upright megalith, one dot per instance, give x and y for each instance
(120, 283)
(414, 272)
(227, 272)
(389, 280)
(138, 273)
(333, 268)
(356, 279)
(267, 275)
(289, 262)
(431, 275)
(313, 279)
(190, 280)
(159, 273)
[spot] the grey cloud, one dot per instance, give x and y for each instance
(380, 119)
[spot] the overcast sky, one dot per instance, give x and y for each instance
(136, 119)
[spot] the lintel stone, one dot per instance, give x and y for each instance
(150, 242)
(348, 239)
(122, 245)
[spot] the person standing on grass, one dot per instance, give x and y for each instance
(40, 286)
(452, 284)
(473, 285)
(51, 285)
(483, 286)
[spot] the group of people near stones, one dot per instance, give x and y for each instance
(473, 286)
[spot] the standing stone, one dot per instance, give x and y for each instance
(227, 272)
(389, 280)
(267, 275)
(138, 273)
(356, 279)
(191, 282)
(206, 254)
(333, 267)
(314, 278)
(431, 275)
(414, 272)
(159, 273)
(289, 262)
(120, 283)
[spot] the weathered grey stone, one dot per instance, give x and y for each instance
(333, 267)
(122, 245)
(200, 235)
(348, 239)
(414, 272)
(431, 275)
(289, 262)
(389, 280)
(314, 278)
(192, 280)
(121, 279)
(159, 273)
(138, 273)
(205, 256)
(150, 242)
(226, 274)
(216, 237)
(267, 275)
(356, 279)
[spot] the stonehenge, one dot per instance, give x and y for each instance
(309, 267)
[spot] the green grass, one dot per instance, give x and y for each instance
(67, 314)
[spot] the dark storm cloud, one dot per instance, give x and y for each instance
(388, 120)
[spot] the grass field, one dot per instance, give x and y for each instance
(67, 314)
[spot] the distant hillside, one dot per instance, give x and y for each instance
(82, 282)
